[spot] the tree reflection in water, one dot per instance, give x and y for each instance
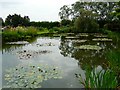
(86, 57)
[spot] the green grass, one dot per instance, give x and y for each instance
(114, 59)
(114, 35)
(18, 33)
(101, 79)
(43, 31)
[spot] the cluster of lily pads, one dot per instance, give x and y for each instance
(102, 39)
(46, 44)
(83, 35)
(30, 76)
(18, 42)
(79, 41)
(71, 37)
(27, 54)
(101, 36)
(89, 47)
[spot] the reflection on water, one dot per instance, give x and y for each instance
(86, 56)
(63, 55)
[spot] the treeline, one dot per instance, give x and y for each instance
(17, 20)
(81, 16)
(45, 24)
(87, 16)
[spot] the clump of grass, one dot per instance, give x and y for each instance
(101, 79)
(114, 60)
(18, 33)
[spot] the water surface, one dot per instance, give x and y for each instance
(63, 54)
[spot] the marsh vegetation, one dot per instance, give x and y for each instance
(80, 51)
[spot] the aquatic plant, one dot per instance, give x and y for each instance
(28, 54)
(101, 36)
(114, 60)
(19, 33)
(46, 44)
(99, 79)
(18, 42)
(83, 35)
(79, 41)
(71, 37)
(89, 47)
(30, 76)
(102, 39)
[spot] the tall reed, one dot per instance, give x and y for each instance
(99, 79)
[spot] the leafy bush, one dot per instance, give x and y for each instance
(86, 22)
(66, 29)
(18, 33)
(86, 25)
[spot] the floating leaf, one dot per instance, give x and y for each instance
(102, 39)
(29, 76)
(18, 42)
(79, 41)
(28, 54)
(91, 47)
(71, 37)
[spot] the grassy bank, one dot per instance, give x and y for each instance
(18, 33)
(26, 33)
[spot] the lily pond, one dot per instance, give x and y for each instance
(53, 62)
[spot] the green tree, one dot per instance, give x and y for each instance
(66, 22)
(86, 22)
(117, 12)
(1, 22)
(65, 12)
(103, 9)
(16, 20)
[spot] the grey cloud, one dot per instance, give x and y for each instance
(9, 4)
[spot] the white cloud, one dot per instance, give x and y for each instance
(38, 10)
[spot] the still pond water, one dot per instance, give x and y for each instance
(65, 55)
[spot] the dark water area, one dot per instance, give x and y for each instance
(71, 54)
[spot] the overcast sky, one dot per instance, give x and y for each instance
(37, 10)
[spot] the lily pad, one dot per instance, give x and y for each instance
(28, 54)
(102, 39)
(30, 76)
(18, 42)
(71, 37)
(89, 47)
(46, 44)
(83, 35)
(101, 36)
(79, 41)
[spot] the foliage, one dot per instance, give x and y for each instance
(30, 76)
(66, 29)
(18, 33)
(66, 22)
(114, 60)
(45, 24)
(16, 20)
(86, 22)
(43, 31)
(2, 22)
(99, 79)
(65, 12)
(103, 9)
(113, 26)
(117, 11)
(114, 35)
